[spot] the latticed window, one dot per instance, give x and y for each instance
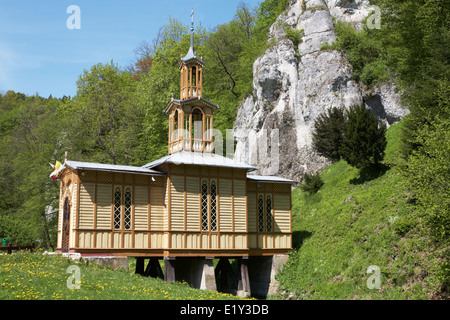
(209, 206)
(204, 205)
(117, 208)
(213, 206)
(268, 214)
(260, 213)
(127, 209)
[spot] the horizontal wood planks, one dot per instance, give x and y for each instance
(166, 214)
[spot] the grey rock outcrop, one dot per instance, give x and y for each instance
(294, 83)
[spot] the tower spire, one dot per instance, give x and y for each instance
(192, 29)
(191, 53)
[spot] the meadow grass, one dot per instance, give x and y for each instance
(36, 276)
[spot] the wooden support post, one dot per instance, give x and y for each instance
(243, 288)
(169, 269)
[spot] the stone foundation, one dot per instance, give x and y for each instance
(251, 276)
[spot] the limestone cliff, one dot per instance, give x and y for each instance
(294, 83)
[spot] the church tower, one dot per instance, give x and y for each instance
(191, 71)
(191, 117)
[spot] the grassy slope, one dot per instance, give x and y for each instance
(355, 221)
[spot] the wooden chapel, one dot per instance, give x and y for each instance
(192, 203)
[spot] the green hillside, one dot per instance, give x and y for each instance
(355, 221)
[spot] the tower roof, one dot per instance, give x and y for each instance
(191, 55)
(192, 101)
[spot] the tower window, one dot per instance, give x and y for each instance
(197, 130)
(175, 126)
(194, 76)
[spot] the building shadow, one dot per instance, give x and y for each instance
(298, 237)
(369, 174)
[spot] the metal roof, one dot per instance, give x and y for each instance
(190, 100)
(200, 159)
(109, 167)
(272, 179)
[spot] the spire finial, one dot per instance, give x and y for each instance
(192, 28)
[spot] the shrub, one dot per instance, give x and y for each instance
(363, 50)
(364, 139)
(328, 133)
(311, 182)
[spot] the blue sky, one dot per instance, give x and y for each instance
(40, 54)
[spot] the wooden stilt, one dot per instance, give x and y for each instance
(140, 266)
(243, 286)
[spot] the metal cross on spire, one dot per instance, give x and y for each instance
(192, 28)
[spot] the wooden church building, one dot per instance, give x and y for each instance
(187, 208)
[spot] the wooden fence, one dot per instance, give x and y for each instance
(10, 247)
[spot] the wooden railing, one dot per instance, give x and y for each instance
(10, 247)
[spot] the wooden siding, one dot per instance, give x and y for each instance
(177, 203)
(141, 208)
(86, 210)
(252, 216)
(192, 206)
(239, 206)
(225, 205)
(104, 201)
(282, 209)
(166, 213)
(158, 217)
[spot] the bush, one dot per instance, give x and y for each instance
(328, 133)
(311, 182)
(364, 140)
(363, 50)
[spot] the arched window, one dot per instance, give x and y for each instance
(197, 129)
(117, 208)
(213, 222)
(204, 205)
(268, 214)
(175, 126)
(127, 209)
(261, 213)
(194, 76)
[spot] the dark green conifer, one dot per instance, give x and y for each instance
(328, 133)
(364, 139)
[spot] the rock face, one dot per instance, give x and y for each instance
(294, 83)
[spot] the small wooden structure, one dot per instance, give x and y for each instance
(9, 248)
(191, 203)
